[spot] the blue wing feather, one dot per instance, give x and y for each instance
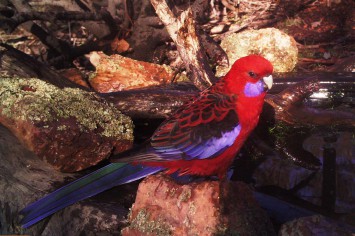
(103, 179)
(202, 130)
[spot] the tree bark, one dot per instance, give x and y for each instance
(182, 31)
(15, 63)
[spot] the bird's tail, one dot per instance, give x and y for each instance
(105, 178)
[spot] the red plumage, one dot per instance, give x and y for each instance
(210, 119)
(201, 138)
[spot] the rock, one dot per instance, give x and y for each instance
(68, 128)
(276, 46)
(314, 226)
(25, 178)
(163, 207)
(74, 75)
(280, 172)
(345, 172)
(116, 73)
(285, 174)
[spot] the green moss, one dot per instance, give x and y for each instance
(42, 102)
(112, 64)
(143, 223)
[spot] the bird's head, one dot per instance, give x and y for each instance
(249, 76)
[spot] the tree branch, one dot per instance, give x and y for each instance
(183, 32)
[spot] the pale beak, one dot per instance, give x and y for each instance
(268, 81)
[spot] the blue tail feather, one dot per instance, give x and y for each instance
(103, 179)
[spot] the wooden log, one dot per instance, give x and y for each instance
(15, 63)
(285, 99)
(149, 103)
(288, 105)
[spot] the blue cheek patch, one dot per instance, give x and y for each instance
(253, 89)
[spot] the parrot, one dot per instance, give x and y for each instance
(201, 138)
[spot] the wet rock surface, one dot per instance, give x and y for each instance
(307, 184)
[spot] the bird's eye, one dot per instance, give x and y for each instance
(252, 74)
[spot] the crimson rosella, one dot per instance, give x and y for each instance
(201, 138)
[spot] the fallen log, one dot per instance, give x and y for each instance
(159, 102)
(15, 63)
(150, 103)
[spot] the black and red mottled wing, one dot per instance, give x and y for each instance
(201, 129)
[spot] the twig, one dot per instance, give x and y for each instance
(319, 61)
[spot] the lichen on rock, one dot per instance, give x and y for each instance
(164, 207)
(115, 73)
(69, 128)
(144, 224)
(43, 102)
(276, 46)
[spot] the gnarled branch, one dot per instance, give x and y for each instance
(183, 32)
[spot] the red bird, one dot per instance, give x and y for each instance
(201, 138)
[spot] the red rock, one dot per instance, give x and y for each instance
(163, 207)
(116, 73)
(119, 45)
(74, 75)
(69, 128)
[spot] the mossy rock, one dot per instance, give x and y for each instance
(70, 128)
